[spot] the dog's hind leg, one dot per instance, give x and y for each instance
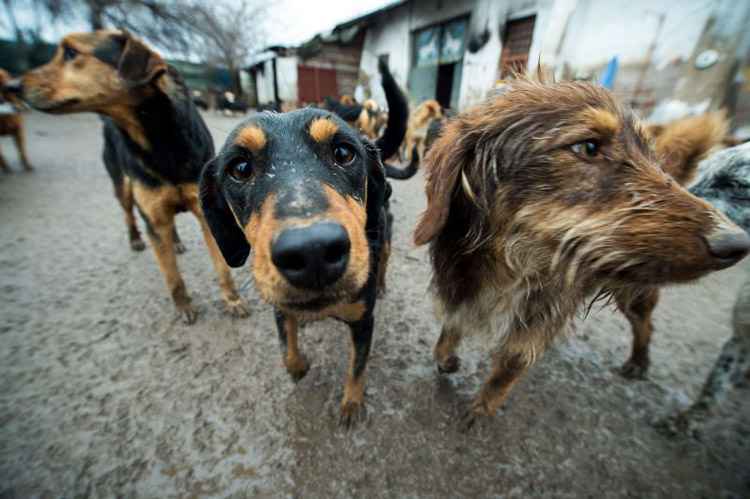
(234, 304)
(296, 364)
(638, 311)
(21, 146)
(732, 368)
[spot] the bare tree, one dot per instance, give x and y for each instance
(226, 33)
(160, 21)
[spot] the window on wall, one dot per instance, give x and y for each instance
(516, 45)
(438, 62)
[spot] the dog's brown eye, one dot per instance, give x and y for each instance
(69, 53)
(588, 148)
(343, 155)
(240, 170)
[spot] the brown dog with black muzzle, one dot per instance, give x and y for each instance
(308, 193)
(11, 123)
(542, 198)
(155, 141)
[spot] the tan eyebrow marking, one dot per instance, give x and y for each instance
(323, 129)
(252, 138)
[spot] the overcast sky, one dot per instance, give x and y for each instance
(293, 21)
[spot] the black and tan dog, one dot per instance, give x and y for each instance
(309, 194)
(11, 123)
(155, 141)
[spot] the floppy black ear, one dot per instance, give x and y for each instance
(377, 188)
(138, 64)
(228, 235)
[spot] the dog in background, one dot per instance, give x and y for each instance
(367, 117)
(309, 194)
(423, 116)
(541, 199)
(155, 141)
(11, 123)
(724, 181)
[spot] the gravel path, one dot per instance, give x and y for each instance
(105, 393)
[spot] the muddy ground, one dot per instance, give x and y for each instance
(105, 393)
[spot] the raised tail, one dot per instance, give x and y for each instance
(398, 114)
(404, 173)
(682, 144)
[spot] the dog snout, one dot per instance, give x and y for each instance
(14, 86)
(728, 246)
(312, 257)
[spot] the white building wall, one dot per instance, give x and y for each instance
(286, 71)
(264, 83)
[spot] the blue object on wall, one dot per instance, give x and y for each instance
(607, 79)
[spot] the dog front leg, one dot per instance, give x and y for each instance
(296, 364)
(639, 310)
(353, 402)
(21, 146)
(159, 221)
(234, 304)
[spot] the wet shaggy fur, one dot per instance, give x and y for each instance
(155, 141)
(297, 185)
(723, 181)
(11, 123)
(539, 201)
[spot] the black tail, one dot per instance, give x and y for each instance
(398, 114)
(404, 173)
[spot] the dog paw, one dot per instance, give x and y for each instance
(179, 248)
(449, 365)
(633, 370)
(683, 424)
(237, 308)
(352, 413)
(189, 314)
(298, 368)
(137, 245)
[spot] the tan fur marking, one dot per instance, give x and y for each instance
(252, 138)
(323, 129)
(601, 120)
(349, 312)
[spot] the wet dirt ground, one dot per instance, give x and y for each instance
(105, 393)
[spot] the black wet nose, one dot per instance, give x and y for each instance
(730, 247)
(312, 257)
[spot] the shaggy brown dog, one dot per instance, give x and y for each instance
(11, 123)
(419, 122)
(541, 198)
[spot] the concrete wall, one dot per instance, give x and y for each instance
(392, 32)
(573, 37)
